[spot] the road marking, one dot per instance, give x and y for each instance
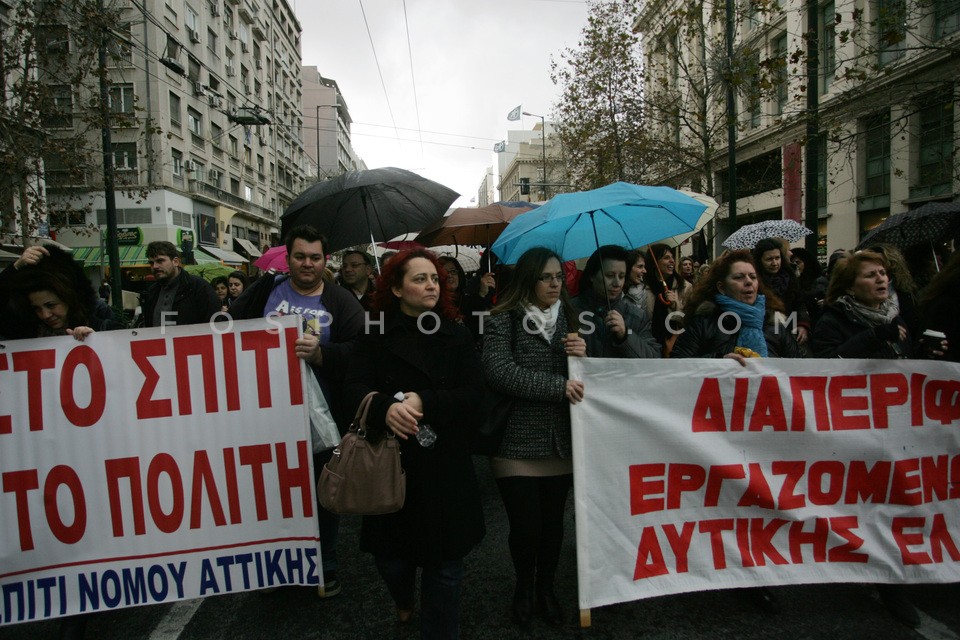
(177, 618)
(933, 629)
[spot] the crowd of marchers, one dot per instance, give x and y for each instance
(509, 331)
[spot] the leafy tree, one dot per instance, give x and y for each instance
(600, 116)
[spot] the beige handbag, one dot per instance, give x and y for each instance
(363, 478)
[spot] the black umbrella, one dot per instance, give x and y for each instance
(368, 206)
(930, 223)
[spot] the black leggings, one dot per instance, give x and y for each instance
(535, 510)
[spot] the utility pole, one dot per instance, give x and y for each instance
(110, 200)
(811, 160)
(731, 126)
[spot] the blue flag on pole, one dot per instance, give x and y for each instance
(514, 114)
(500, 147)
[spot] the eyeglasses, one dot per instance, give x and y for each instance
(547, 278)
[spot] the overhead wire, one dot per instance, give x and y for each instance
(413, 77)
(377, 61)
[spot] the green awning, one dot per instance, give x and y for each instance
(131, 255)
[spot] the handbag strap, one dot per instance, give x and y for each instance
(360, 418)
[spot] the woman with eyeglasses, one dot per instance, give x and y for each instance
(426, 373)
(527, 339)
(612, 327)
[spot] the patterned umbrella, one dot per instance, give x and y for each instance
(929, 223)
(746, 237)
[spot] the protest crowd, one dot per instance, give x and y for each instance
(436, 349)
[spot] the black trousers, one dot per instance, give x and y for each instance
(535, 510)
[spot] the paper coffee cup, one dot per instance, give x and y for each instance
(934, 335)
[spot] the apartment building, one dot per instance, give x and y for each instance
(327, 121)
(886, 83)
(215, 151)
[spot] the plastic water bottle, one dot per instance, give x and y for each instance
(426, 436)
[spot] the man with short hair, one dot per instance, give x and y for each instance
(334, 319)
(176, 297)
(355, 270)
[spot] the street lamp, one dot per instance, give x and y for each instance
(319, 106)
(543, 139)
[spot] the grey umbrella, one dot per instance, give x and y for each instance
(368, 206)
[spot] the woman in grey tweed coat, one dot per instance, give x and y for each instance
(527, 340)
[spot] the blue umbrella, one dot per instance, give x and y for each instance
(576, 224)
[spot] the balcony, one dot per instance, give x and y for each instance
(214, 195)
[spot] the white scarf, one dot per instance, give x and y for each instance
(542, 321)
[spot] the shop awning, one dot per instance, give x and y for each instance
(131, 255)
(247, 247)
(222, 255)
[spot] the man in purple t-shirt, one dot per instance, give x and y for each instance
(334, 319)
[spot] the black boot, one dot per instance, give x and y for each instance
(548, 607)
(522, 612)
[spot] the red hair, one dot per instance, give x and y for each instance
(391, 275)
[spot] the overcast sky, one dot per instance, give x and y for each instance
(468, 63)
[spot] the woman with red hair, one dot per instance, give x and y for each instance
(425, 371)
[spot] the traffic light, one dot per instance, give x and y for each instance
(524, 186)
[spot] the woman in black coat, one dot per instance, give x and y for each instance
(859, 319)
(426, 372)
(725, 304)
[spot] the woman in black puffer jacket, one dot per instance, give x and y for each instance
(730, 315)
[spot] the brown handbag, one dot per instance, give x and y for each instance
(363, 478)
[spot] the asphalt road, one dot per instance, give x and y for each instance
(364, 610)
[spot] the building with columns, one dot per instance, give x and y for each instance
(886, 83)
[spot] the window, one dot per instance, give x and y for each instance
(191, 19)
(234, 146)
(125, 156)
(121, 98)
(751, 16)
(781, 78)
(248, 193)
(182, 219)
(61, 116)
(891, 29)
(193, 69)
(946, 15)
(175, 109)
(216, 134)
(936, 144)
(195, 122)
(828, 46)
(212, 41)
(177, 163)
(126, 216)
(120, 49)
(877, 155)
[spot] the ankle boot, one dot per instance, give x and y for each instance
(548, 607)
(522, 611)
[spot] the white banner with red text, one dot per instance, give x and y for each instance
(147, 466)
(703, 474)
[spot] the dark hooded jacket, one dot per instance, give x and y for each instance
(17, 321)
